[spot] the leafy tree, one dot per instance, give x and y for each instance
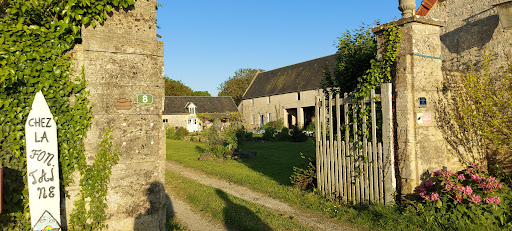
(236, 85)
(356, 49)
(201, 93)
(176, 88)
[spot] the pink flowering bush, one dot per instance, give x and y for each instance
(467, 197)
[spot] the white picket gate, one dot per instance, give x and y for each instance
(348, 167)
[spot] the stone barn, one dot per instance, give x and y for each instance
(287, 93)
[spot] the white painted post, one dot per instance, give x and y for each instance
(42, 166)
(318, 146)
(387, 143)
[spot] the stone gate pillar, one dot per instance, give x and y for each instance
(123, 65)
(420, 146)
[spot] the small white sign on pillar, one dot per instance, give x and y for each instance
(42, 166)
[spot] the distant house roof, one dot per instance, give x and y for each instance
(204, 104)
(297, 77)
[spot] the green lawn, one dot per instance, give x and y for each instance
(277, 159)
(269, 174)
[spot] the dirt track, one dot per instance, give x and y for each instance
(185, 215)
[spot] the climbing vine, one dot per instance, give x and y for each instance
(359, 70)
(35, 38)
(93, 188)
(380, 68)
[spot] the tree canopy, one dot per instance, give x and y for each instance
(356, 49)
(236, 85)
(177, 88)
(201, 93)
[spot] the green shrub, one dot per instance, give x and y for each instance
(277, 125)
(243, 135)
(180, 133)
(304, 179)
(169, 133)
(230, 136)
(176, 133)
(298, 135)
(310, 127)
(221, 151)
(469, 198)
(283, 135)
(269, 133)
(212, 136)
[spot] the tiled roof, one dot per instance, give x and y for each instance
(425, 7)
(297, 77)
(204, 104)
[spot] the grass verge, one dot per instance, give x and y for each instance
(172, 224)
(268, 174)
(235, 213)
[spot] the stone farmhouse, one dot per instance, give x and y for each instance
(287, 93)
(182, 111)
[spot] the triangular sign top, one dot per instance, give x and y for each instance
(40, 104)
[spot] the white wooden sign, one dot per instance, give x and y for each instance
(42, 166)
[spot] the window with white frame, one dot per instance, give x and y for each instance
(166, 120)
(191, 108)
(269, 117)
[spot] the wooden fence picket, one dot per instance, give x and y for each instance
(351, 167)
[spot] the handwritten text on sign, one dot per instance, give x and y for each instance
(42, 162)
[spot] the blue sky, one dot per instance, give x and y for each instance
(206, 41)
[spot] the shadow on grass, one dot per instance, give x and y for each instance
(238, 217)
(201, 149)
(277, 159)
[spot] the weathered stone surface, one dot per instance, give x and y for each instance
(131, 185)
(139, 22)
(119, 60)
(207, 156)
(104, 98)
(472, 27)
(421, 147)
(97, 41)
(123, 69)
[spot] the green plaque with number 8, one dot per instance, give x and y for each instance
(144, 98)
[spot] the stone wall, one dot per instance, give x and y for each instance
(471, 28)
(121, 59)
(276, 107)
(419, 142)
(178, 120)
